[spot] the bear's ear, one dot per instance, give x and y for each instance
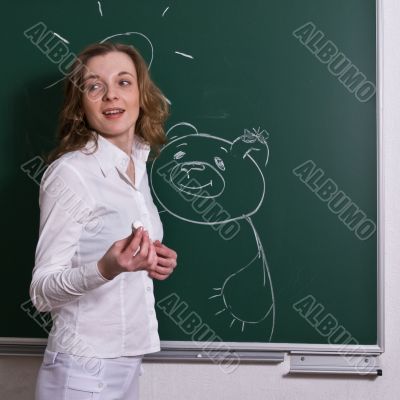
(181, 129)
(254, 144)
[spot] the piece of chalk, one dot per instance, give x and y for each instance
(136, 225)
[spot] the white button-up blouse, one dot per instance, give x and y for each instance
(87, 202)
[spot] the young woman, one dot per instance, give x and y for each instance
(93, 272)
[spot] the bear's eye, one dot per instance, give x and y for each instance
(179, 155)
(220, 164)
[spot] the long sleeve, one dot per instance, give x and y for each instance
(66, 210)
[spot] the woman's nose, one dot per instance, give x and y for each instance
(110, 93)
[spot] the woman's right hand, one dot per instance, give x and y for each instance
(120, 256)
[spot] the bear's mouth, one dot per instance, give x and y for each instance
(188, 178)
(196, 187)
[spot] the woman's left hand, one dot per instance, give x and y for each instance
(166, 261)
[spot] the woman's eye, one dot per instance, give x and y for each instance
(124, 83)
(94, 87)
(220, 164)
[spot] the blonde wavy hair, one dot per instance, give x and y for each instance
(73, 128)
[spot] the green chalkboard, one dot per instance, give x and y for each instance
(267, 188)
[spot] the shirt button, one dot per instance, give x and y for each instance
(100, 385)
(148, 288)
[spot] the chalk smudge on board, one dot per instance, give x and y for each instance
(184, 54)
(54, 83)
(60, 37)
(165, 11)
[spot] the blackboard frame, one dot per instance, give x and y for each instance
(184, 350)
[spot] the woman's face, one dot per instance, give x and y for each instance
(111, 96)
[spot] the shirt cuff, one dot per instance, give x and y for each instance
(92, 276)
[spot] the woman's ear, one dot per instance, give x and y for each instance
(253, 144)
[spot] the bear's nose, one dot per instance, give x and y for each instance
(194, 166)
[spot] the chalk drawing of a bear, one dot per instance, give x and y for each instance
(193, 189)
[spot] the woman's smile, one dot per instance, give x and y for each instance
(113, 113)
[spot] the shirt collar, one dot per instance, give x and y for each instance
(110, 156)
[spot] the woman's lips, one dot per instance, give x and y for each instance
(113, 113)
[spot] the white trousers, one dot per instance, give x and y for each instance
(66, 377)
